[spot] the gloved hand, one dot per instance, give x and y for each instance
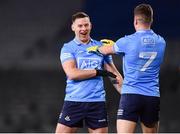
(107, 42)
(104, 73)
(94, 49)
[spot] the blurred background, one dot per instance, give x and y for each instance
(32, 81)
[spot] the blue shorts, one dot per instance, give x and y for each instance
(136, 107)
(93, 114)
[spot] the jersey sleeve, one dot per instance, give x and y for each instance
(66, 54)
(163, 47)
(119, 46)
(108, 59)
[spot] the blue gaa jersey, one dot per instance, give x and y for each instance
(88, 90)
(143, 53)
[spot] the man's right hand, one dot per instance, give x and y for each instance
(94, 49)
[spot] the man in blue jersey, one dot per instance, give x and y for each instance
(143, 54)
(85, 94)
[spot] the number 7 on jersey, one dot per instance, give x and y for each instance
(150, 56)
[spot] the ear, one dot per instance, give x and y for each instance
(72, 27)
(91, 25)
(135, 20)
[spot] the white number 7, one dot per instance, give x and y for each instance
(150, 56)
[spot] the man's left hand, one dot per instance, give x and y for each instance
(107, 42)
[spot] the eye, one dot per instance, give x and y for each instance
(79, 26)
(86, 25)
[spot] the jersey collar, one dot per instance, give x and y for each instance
(144, 31)
(79, 43)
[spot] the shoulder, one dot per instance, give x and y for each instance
(68, 47)
(124, 39)
(158, 37)
(161, 39)
(68, 44)
(95, 42)
(128, 37)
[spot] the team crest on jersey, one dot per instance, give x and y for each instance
(67, 118)
(88, 63)
(80, 52)
(147, 40)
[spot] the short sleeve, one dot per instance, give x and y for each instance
(120, 46)
(66, 54)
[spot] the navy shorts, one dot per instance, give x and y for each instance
(136, 107)
(75, 114)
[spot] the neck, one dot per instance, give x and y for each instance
(142, 28)
(85, 41)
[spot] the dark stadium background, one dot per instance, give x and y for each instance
(32, 82)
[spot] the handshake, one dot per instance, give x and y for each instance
(105, 42)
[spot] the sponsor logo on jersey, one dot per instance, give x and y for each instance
(88, 63)
(66, 55)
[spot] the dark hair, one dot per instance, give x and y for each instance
(145, 12)
(79, 15)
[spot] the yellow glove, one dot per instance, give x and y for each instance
(92, 49)
(107, 42)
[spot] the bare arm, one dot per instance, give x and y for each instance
(73, 73)
(106, 50)
(112, 68)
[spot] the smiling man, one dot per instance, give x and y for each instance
(85, 94)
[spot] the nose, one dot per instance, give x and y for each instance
(83, 27)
